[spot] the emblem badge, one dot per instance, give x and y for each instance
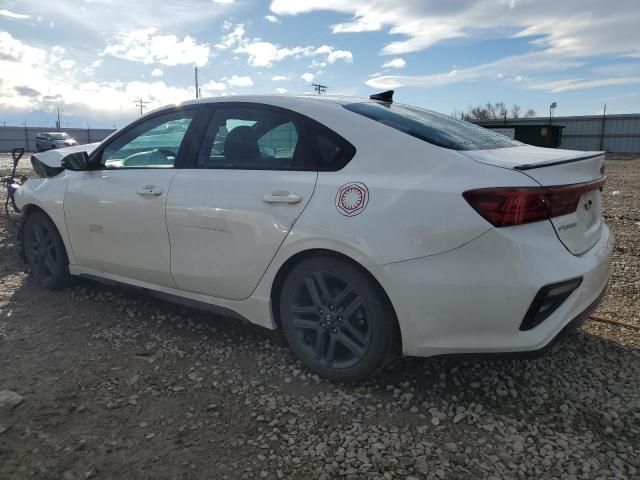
(352, 198)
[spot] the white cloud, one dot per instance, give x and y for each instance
(156, 72)
(261, 53)
(333, 55)
(272, 19)
(224, 2)
(118, 16)
(234, 36)
(281, 91)
(240, 81)
(145, 46)
(212, 88)
(308, 77)
(395, 63)
(514, 65)
(16, 16)
(279, 78)
(265, 54)
(37, 82)
(580, 83)
(570, 27)
(213, 85)
(67, 64)
(96, 63)
(371, 23)
(56, 53)
(12, 49)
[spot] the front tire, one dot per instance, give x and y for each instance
(336, 319)
(45, 252)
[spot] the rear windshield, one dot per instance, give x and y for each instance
(436, 128)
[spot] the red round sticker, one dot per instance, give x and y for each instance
(352, 198)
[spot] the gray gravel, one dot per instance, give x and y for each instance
(119, 385)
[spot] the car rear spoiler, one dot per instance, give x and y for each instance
(550, 163)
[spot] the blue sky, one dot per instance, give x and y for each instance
(93, 58)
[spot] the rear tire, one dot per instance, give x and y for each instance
(336, 319)
(45, 252)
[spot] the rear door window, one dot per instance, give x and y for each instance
(254, 138)
(432, 127)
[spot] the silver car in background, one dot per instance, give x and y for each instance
(51, 140)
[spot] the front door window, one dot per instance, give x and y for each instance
(154, 143)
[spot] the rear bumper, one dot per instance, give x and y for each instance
(570, 327)
(473, 299)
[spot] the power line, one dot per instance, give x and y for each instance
(320, 89)
(141, 103)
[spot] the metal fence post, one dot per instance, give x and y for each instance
(26, 136)
(604, 117)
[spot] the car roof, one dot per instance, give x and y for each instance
(279, 99)
(292, 102)
(285, 101)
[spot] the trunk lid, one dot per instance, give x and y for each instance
(579, 230)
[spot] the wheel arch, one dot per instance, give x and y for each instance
(291, 262)
(29, 209)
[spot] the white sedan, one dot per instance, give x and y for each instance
(360, 227)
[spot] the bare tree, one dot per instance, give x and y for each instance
(493, 111)
(455, 113)
(480, 113)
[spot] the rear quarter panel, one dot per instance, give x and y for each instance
(415, 206)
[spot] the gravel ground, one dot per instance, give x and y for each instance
(99, 382)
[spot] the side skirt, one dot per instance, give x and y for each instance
(252, 310)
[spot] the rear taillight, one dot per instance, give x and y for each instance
(507, 206)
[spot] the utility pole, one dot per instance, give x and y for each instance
(197, 88)
(320, 89)
(141, 104)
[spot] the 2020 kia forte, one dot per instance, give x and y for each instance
(360, 227)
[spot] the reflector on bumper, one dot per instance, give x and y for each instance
(547, 301)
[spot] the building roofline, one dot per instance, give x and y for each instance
(499, 121)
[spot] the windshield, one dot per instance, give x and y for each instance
(436, 128)
(58, 136)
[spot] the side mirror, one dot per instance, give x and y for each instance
(78, 161)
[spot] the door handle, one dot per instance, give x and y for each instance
(281, 196)
(150, 191)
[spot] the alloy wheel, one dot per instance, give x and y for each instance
(330, 318)
(41, 251)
